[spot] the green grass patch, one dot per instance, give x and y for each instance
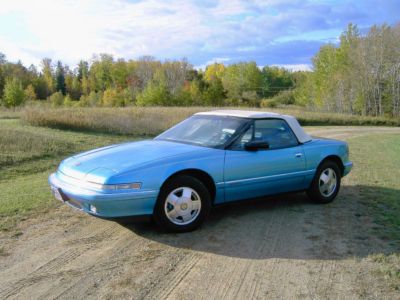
(19, 145)
(27, 156)
(377, 171)
(30, 194)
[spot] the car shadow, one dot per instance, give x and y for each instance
(287, 226)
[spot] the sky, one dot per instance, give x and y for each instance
(275, 32)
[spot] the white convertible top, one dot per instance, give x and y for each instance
(301, 135)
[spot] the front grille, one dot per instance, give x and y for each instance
(78, 182)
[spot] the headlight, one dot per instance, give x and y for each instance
(122, 186)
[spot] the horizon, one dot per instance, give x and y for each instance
(279, 33)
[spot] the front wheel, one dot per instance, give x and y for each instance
(183, 204)
(326, 183)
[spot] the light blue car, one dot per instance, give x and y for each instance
(208, 159)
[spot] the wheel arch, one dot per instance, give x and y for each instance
(336, 159)
(201, 175)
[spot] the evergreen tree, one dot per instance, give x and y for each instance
(2, 79)
(83, 69)
(60, 78)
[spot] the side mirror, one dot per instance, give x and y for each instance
(256, 145)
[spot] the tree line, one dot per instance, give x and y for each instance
(359, 75)
(146, 81)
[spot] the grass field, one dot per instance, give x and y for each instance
(142, 121)
(378, 161)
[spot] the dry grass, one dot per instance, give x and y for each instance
(144, 121)
(137, 121)
(9, 113)
(389, 268)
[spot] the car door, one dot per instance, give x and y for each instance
(262, 172)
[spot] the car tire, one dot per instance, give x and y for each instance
(182, 205)
(326, 183)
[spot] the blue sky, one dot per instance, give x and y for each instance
(275, 32)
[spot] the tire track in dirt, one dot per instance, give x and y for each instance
(80, 286)
(164, 289)
(47, 269)
(109, 255)
(269, 237)
(239, 272)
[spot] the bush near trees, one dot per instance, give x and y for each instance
(114, 97)
(13, 94)
(30, 94)
(56, 99)
(360, 75)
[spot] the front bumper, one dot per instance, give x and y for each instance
(108, 204)
(347, 168)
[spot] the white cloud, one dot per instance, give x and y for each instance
(295, 67)
(229, 7)
(72, 29)
(16, 53)
(75, 29)
(213, 61)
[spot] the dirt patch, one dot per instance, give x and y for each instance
(280, 247)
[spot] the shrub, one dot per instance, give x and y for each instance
(284, 97)
(281, 99)
(154, 94)
(93, 99)
(113, 98)
(56, 99)
(30, 94)
(231, 102)
(250, 98)
(68, 102)
(14, 94)
(268, 103)
(214, 94)
(182, 98)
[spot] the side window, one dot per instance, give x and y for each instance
(242, 140)
(275, 132)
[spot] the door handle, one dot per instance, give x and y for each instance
(298, 155)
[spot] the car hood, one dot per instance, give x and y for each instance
(98, 164)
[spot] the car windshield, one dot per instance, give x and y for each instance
(203, 130)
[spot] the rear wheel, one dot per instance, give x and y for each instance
(326, 183)
(183, 204)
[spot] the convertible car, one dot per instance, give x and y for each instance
(208, 159)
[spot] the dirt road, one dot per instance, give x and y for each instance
(278, 248)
